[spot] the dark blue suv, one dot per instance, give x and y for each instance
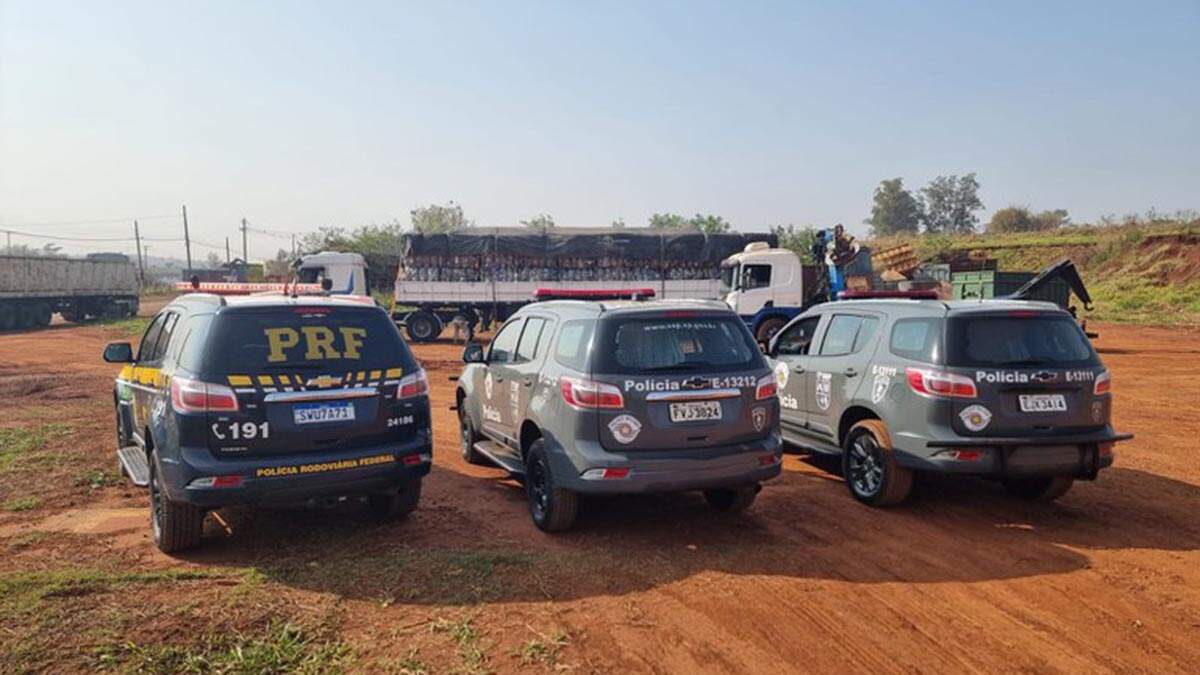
(269, 400)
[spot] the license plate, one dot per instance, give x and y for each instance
(316, 413)
(1042, 403)
(695, 411)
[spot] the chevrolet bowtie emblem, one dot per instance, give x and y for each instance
(323, 381)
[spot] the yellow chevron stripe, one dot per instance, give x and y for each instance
(376, 374)
(394, 372)
(266, 381)
(240, 381)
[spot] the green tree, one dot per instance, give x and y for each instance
(1052, 220)
(895, 210)
(618, 224)
(709, 224)
(950, 203)
(435, 218)
(280, 266)
(212, 261)
(668, 221)
(798, 240)
(541, 221)
(1022, 219)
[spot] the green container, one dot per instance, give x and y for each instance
(988, 284)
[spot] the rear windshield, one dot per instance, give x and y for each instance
(669, 344)
(286, 339)
(1046, 340)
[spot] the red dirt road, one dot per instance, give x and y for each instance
(961, 578)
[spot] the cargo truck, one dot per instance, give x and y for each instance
(34, 288)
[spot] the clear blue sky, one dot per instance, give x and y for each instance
(300, 114)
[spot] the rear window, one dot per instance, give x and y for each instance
(666, 344)
(286, 339)
(1018, 341)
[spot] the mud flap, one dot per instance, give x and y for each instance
(1089, 462)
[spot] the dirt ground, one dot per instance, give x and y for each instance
(963, 578)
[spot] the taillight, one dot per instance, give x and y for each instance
(591, 395)
(940, 383)
(415, 384)
(194, 396)
(768, 386)
(1103, 384)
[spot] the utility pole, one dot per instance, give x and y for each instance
(8, 235)
(187, 241)
(293, 246)
(137, 237)
(227, 258)
(245, 249)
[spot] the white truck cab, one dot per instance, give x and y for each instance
(346, 271)
(764, 285)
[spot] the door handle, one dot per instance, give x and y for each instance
(850, 372)
(798, 369)
(528, 382)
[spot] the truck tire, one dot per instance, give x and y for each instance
(468, 437)
(768, 328)
(175, 526)
(8, 316)
(552, 508)
(42, 314)
(1040, 489)
(869, 466)
(732, 500)
(423, 326)
(398, 504)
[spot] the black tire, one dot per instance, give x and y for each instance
(468, 437)
(8, 316)
(398, 504)
(552, 508)
(732, 500)
(1040, 489)
(768, 328)
(175, 526)
(42, 314)
(869, 466)
(423, 326)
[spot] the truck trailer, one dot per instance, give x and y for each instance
(485, 274)
(34, 288)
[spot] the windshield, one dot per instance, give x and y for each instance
(676, 344)
(304, 340)
(1018, 341)
(729, 276)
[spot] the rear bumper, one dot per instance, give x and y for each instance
(295, 479)
(670, 470)
(1080, 455)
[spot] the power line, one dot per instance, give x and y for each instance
(91, 222)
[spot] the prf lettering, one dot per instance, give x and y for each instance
(319, 342)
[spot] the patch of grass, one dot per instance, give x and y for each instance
(28, 539)
(97, 478)
(409, 664)
(543, 649)
(25, 592)
(469, 640)
(22, 504)
(130, 327)
(281, 648)
(20, 443)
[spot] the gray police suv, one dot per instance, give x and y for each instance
(1008, 389)
(269, 400)
(579, 397)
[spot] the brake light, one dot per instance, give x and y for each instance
(617, 473)
(768, 387)
(940, 383)
(415, 384)
(1103, 384)
(218, 482)
(194, 396)
(590, 395)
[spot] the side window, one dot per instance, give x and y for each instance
(796, 339)
(146, 346)
(756, 276)
(191, 347)
(164, 338)
(839, 337)
(572, 347)
(527, 349)
(916, 339)
(865, 333)
(505, 343)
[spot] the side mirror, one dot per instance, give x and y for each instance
(118, 352)
(473, 353)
